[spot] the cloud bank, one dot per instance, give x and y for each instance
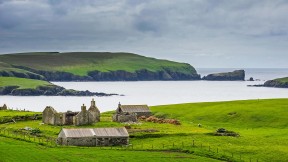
(205, 33)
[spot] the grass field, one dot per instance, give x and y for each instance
(23, 151)
(80, 63)
(285, 80)
(23, 83)
(262, 125)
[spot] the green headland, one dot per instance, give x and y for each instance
(95, 66)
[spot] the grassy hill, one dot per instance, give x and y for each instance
(279, 83)
(261, 124)
(23, 83)
(81, 63)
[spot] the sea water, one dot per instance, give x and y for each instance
(156, 92)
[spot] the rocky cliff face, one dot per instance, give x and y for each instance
(276, 83)
(119, 75)
(143, 74)
(237, 75)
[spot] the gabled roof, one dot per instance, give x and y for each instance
(134, 108)
(96, 132)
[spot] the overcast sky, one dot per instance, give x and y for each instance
(204, 33)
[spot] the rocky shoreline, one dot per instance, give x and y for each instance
(118, 75)
(272, 83)
(47, 91)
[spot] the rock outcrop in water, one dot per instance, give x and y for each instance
(47, 91)
(237, 75)
(276, 83)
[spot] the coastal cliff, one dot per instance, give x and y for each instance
(237, 75)
(277, 83)
(93, 66)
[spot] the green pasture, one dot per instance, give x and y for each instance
(23, 83)
(261, 124)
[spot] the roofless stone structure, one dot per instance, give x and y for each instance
(84, 117)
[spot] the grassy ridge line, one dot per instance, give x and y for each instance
(23, 83)
(80, 63)
(247, 113)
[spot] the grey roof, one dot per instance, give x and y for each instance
(135, 108)
(98, 132)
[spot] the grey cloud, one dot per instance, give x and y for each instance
(159, 28)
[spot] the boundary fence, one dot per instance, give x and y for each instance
(192, 147)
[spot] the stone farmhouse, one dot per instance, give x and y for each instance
(84, 117)
(93, 137)
(126, 113)
(4, 107)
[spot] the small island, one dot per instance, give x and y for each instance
(237, 75)
(31, 87)
(278, 83)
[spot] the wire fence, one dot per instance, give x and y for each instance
(194, 147)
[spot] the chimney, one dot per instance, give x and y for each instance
(93, 103)
(83, 108)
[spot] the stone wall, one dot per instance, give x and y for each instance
(146, 114)
(124, 117)
(93, 141)
(4, 107)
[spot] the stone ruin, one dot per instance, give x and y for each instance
(130, 113)
(4, 107)
(84, 117)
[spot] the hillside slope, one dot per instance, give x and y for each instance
(32, 87)
(99, 66)
(278, 83)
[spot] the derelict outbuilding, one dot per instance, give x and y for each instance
(93, 137)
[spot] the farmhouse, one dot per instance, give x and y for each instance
(84, 117)
(4, 107)
(125, 113)
(93, 137)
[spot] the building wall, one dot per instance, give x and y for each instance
(48, 116)
(83, 118)
(147, 114)
(124, 117)
(93, 141)
(4, 107)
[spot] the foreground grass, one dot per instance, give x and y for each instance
(24, 151)
(262, 125)
(23, 83)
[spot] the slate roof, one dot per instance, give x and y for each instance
(95, 132)
(135, 108)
